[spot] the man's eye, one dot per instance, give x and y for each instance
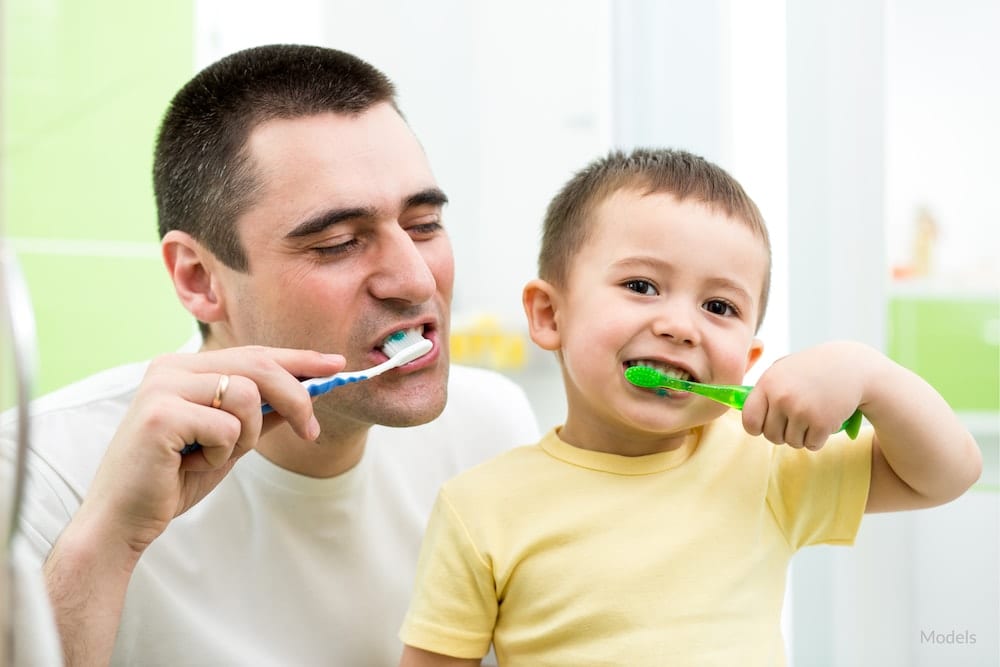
(425, 229)
(337, 249)
(641, 287)
(720, 307)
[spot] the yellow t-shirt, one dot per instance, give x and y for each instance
(564, 556)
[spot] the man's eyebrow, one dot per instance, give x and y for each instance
(318, 223)
(326, 219)
(430, 196)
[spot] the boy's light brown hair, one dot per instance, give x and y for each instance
(569, 218)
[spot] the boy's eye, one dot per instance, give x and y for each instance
(720, 307)
(641, 287)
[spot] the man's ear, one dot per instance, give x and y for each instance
(756, 349)
(192, 268)
(540, 299)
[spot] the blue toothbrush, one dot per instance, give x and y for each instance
(402, 347)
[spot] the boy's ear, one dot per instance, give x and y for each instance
(191, 267)
(756, 349)
(540, 299)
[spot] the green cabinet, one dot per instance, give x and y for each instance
(953, 342)
(84, 86)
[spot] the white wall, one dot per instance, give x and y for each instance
(943, 136)
(921, 572)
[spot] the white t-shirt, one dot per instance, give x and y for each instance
(272, 568)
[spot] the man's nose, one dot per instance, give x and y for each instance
(402, 272)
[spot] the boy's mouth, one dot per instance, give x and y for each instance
(665, 368)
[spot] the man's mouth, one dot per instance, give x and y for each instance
(397, 336)
(402, 338)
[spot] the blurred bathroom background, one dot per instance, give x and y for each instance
(866, 130)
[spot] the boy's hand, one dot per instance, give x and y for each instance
(805, 397)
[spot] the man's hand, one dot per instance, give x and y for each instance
(144, 480)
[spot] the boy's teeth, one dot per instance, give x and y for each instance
(669, 371)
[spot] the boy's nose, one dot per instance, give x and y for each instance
(402, 272)
(678, 324)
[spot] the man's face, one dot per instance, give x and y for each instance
(345, 245)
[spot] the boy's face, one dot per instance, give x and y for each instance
(672, 283)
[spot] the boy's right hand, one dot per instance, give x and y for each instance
(806, 396)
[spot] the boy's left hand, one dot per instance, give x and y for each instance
(805, 397)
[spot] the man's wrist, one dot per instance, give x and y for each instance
(89, 545)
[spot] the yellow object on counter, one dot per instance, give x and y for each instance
(485, 343)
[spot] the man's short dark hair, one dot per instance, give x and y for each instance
(203, 175)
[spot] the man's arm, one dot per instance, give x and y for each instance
(87, 575)
(144, 481)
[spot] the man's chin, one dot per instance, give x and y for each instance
(401, 411)
(404, 416)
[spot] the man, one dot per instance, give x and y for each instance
(300, 221)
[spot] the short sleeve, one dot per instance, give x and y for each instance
(454, 605)
(819, 497)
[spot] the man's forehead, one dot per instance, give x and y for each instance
(356, 129)
(349, 160)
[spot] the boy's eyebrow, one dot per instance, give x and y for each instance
(730, 284)
(317, 223)
(641, 260)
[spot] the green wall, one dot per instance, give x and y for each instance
(950, 341)
(85, 83)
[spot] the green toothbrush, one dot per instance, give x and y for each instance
(733, 395)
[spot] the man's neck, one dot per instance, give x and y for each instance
(331, 455)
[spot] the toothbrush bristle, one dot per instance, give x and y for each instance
(418, 349)
(643, 376)
(400, 340)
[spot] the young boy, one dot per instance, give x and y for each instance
(656, 529)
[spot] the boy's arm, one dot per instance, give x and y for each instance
(922, 455)
(417, 657)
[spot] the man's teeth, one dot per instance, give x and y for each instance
(669, 371)
(413, 334)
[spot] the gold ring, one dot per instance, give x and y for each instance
(220, 391)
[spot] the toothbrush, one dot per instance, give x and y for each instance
(728, 394)
(401, 347)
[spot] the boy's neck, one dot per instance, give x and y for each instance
(613, 441)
